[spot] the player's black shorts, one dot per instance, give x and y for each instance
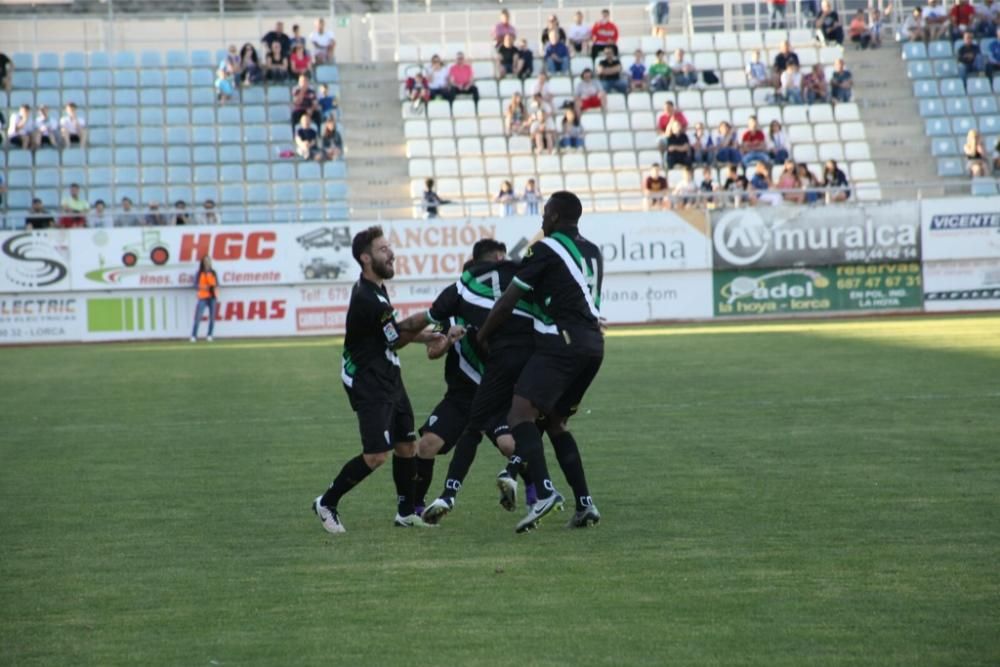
(555, 380)
(384, 423)
(497, 388)
(450, 417)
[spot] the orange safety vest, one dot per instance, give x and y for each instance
(207, 283)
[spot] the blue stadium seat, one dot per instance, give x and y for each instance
(150, 77)
(151, 115)
(940, 49)
(74, 60)
(918, 69)
(203, 135)
(989, 125)
(126, 136)
(73, 157)
(178, 174)
(177, 78)
(202, 58)
(231, 154)
(19, 199)
(279, 113)
(76, 95)
(327, 74)
(99, 117)
(203, 96)
(232, 194)
(230, 135)
(254, 114)
(257, 153)
(74, 78)
(73, 175)
(176, 59)
(254, 134)
(19, 178)
(125, 78)
(179, 155)
(277, 94)
(258, 195)
(154, 175)
(99, 136)
(943, 146)
(151, 155)
(950, 167)
(126, 98)
(98, 60)
(99, 176)
(925, 88)
(335, 190)
(962, 124)
(279, 132)
(206, 174)
(177, 97)
(48, 60)
(127, 175)
(204, 154)
(283, 171)
(127, 156)
(46, 157)
(51, 79)
(253, 95)
(258, 173)
(150, 59)
(914, 51)
(337, 212)
(49, 98)
(203, 116)
(98, 97)
(308, 171)
(335, 169)
(98, 156)
(229, 116)
(125, 116)
(124, 59)
(99, 78)
(231, 173)
(202, 77)
(151, 193)
(945, 68)
(178, 116)
(952, 88)
(178, 135)
(958, 106)
(204, 191)
(23, 61)
(937, 127)
(22, 79)
(310, 192)
(284, 192)
(978, 86)
(19, 97)
(176, 192)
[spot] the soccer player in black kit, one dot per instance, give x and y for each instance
(562, 273)
(371, 375)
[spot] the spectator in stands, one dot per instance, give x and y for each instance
(46, 128)
(914, 29)
(935, 21)
(323, 42)
(756, 70)
(306, 140)
(726, 145)
(181, 214)
(231, 62)
(962, 15)
(654, 188)
(297, 40)
(828, 25)
(224, 89)
(791, 85)
(524, 60)
(505, 55)
(507, 197)
(971, 60)
(21, 129)
(753, 144)
(604, 34)
(572, 132)
(609, 73)
(782, 59)
(857, 30)
(99, 216)
(987, 17)
(251, 71)
(683, 71)
(419, 90)
(430, 200)
(678, 151)
(992, 55)
(735, 186)
(503, 29)
(777, 13)
(276, 64)
(38, 217)
(438, 77)
(982, 185)
(538, 102)
(299, 61)
(73, 127)
(637, 79)
(543, 132)
(327, 102)
(209, 214)
(461, 80)
(809, 182)
(660, 72)
(814, 85)
(841, 82)
(789, 180)
(685, 193)
(531, 197)
(761, 185)
(556, 55)
(671, 113)
(7, 67)
(777, 144)
(708, 187)
(154, 218)
(974, 150)
(579, 34)
(304, 103)
(996, 157)
(330, 140)
(278, 36)
(835, 182)
(876, 25)
(588, 94)
(74, 207)
(515, 115)
(701, 145)
(127, 217)
(552, 26)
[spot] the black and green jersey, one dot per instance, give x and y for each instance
(369, 365)
(564, 273)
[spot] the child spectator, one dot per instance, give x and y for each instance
(835, 182)
(327, 103)
(538, 102)
(789, 180)
(46, 129)
(757, 72)
(685, 193)
(21, 129)
(659, 72)
(305, 140)
(73, 127)
(531, 197)
(299, 61)
(524, 61)
(777, 144)
(507, 198)
(430, 200)
(556, 55)
(637, 73)
(331, 143)
(736, 185)
(572, 131)
(224, 89)
(231, 62)
(579, 34)
(99, 217)
(588, 94)
(726, 145)
(708, 187)
(654, 188)
(276, 64)
(840, 82)
(418, 89)
(506, 53)
(701, 145)
(515, 115)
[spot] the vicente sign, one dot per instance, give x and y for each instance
(966, 228)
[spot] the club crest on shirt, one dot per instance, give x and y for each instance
(390, 332)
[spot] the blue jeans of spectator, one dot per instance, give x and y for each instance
(978, 65)
(728, 156)
(660, 83)
(571, 142)
(554, 67)
(779, 156)
(755, 156)
(199, 311)
(661, 12)
(614, 85)
(777, 15)
(840, 94)
(793, 96)
(702, 155)
(685, 79)
(813, 97)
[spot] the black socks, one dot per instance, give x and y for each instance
(425, 473)
(465, 454)
(528, 446)
(404, 474)
(353, 472)
(568, 455)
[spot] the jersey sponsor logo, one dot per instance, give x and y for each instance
(391, 335)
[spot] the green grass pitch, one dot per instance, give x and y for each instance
(774, 494)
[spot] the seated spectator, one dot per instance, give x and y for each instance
(683, 71)
(430, 200)
(604, 34)
(753, 145)
(437, 74)
(875, 26)
(835, 182)
(782, 60)
(304, 103)
(297, 40)
(524, 61)
(552, 27)
(609, 73)
(736, 186)
(460, 78)
(507, 197)
(209, 214)
(685, 193)
(828, 26)
(987, 17)
(306, 144)
(231, 62)
(299, 61)
(515, 115)
(671, 113)
(327, 102)
(660, 72)
(971, 60)
(777, 144)
(992, 54)
(935, 20)
(543, 132)
(841, 82)
(75, 207)
(974, 150)
(726, 145)
(538, 102)
(637, 73)
(542, 88)
(418, 89)
(982, 185)
(789, 180)
(323, 43)
(654, 188)
(791, 85)
(579, 35)
(913, 29)
(330, 141)
(503, 29)
(809, 182)
(761, 184)
(224, 89)
(278, 36)
(38, 217)
(556, 55)
(531, 197)
(588, 94)
(572, 132)
(276, 64)
(962, 15)
(181, 214)
(701, 145)
(99, 217)
(814, 85)
(678, 151)
(154, 218)
(127, 217)
(757, 76)
(251, 71)
(21, 129)
(46, 129)
(708, 187)
(7, 67)
(73, 127)
(857, 30)
(506, 53)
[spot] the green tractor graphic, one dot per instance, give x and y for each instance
(150, 246)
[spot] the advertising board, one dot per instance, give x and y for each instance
(960, 228)
(971, 284)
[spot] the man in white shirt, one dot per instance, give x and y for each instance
(323, 43)
(684, 72)
(73, 127)
(21, 128)
(935, 20)
(579, 35)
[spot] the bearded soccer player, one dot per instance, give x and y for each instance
(371, 375)
(563, 274)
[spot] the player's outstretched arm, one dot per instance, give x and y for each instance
(501, 310)
(439, 346)
(414, 323)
